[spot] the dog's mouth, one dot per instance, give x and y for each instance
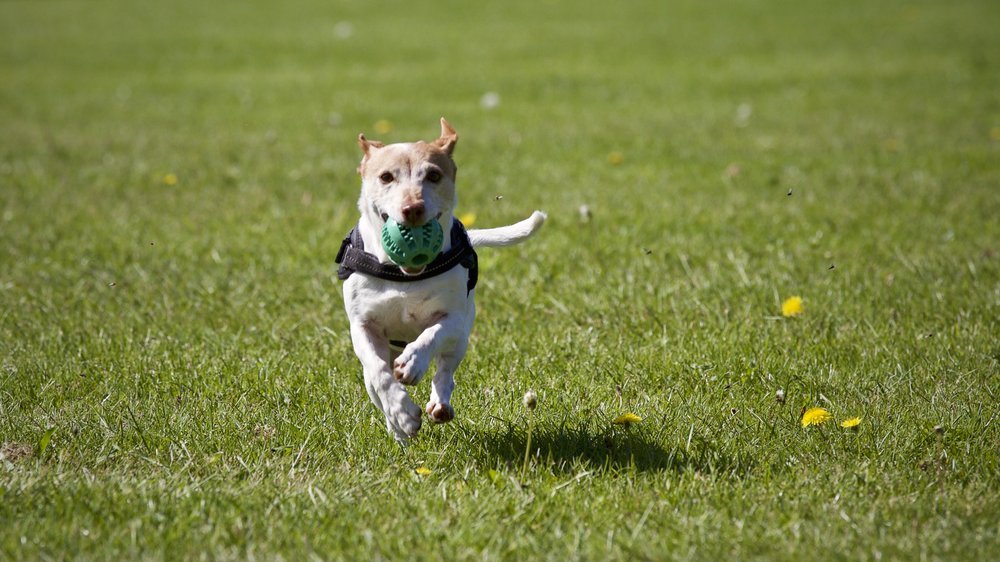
(385, 216)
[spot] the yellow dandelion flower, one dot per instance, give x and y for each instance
(815, 416)
(468, 219)
(170, 179)
(851, 423)
(383, 126)
(627, 419)
(422, 470)
(791, 307)
(995, 133)
(615, 158)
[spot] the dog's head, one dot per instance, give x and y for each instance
(412, 183)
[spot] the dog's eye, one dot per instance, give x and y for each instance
(433, 176)
(386, 177)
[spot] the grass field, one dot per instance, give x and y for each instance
(177, 380)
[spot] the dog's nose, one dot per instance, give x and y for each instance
(413, 213)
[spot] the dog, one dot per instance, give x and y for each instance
(403, 318)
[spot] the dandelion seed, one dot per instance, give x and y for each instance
(467, 219)
(851, 423)
(815, 416)
(170, 179)
(627, 419)
(791, 307)
(343, 30)
(422, 470)
(530, 400)
(780, 396)
(490, 100)
(498, 197)
(743, 113)
(585, 213)
(383, 126)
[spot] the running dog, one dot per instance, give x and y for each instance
(403, 318)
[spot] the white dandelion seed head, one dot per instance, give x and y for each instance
(530, 400)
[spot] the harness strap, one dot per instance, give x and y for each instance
(353, 258)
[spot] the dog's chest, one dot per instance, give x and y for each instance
(403, 310)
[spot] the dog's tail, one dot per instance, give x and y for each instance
(507, 235)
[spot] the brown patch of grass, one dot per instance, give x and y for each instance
(15, 451)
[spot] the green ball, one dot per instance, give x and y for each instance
(412, 247)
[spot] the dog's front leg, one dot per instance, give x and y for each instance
(402, 416)
(440, 337)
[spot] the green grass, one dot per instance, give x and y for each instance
(185, 351)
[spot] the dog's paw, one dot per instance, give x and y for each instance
(410, 366)
(404, 421)
(440, 412)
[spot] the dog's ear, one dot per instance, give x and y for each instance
(366, 146)
(448, 138)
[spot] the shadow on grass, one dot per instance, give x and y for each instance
(567, 449)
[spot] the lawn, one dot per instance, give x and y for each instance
(176, 375)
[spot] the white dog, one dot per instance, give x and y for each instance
(400, 318)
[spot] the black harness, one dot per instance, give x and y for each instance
(353, 258)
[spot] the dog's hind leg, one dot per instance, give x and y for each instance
(449, 357)
(439, 407)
